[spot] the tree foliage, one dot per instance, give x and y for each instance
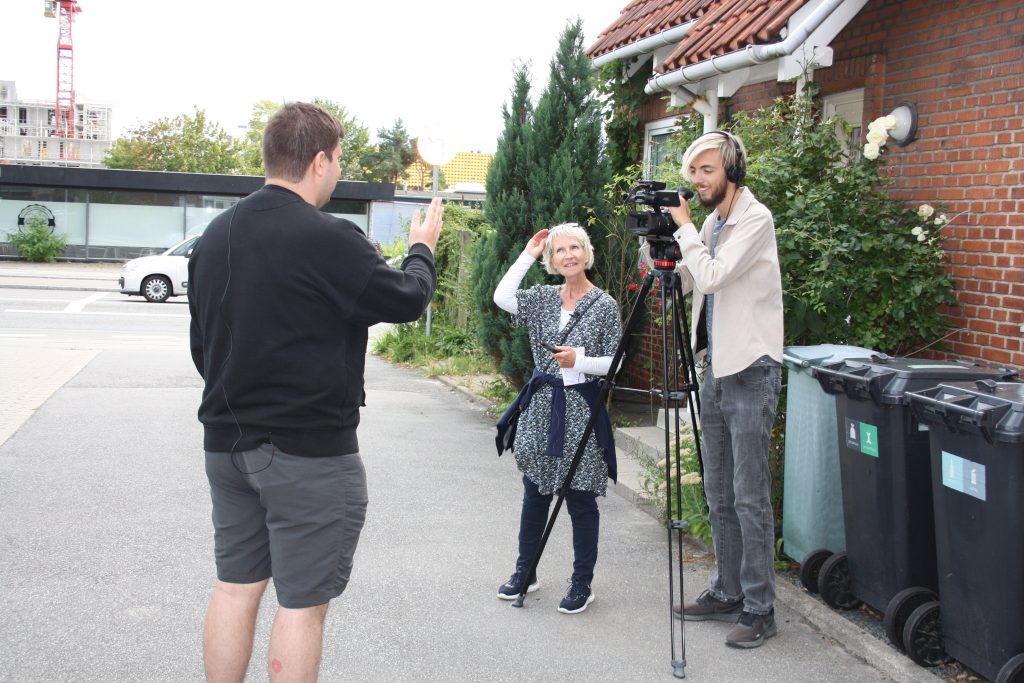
(548, 169)
(507, 209)
(356, 144)
(854, 269)
(189, 144)
(568, 171)
(250, 150)
(386, 163)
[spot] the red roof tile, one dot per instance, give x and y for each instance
(720, 26)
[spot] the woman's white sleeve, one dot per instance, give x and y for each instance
(597, 365)
(505, 292)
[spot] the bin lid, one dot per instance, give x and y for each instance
(886, 379)
(987, 407)
(805, 356)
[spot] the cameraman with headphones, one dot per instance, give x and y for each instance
(732, 266)
(281, 296)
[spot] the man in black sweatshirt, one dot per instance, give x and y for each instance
(281, 296)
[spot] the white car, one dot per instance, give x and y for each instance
(159, 277)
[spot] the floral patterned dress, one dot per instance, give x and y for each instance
(598, 332)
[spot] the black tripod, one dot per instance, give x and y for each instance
(665, 255)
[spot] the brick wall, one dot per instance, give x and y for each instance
(962, 63)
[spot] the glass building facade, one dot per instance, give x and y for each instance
(108, 214)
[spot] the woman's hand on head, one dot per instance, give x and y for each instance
(535, 247)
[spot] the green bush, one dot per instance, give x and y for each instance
(679, 497)
(36, 243)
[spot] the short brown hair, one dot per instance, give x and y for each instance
(295, 134)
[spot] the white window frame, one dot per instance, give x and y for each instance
(653, 130)
(848, 104)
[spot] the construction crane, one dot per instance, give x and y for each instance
(64, 11)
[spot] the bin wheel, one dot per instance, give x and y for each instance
(834, 583)
(1012, 671)
(922, 635)
(811, 567)
(899, 610)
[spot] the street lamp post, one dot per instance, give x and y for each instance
(436, 152)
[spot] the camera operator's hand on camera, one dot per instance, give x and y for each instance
(535, 247)
(681, 213)
(565, 356)
(427, 231)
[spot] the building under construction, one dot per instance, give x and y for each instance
(28, 132)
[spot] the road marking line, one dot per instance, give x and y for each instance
(146, 336)
(130, 315)
(77, 306)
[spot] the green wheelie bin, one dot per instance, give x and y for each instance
(812, 501)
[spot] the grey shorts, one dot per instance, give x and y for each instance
(292, 518)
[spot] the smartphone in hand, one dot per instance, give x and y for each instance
(550, 347)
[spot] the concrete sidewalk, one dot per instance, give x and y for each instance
(68, 275)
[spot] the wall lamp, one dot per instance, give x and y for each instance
(906, 124)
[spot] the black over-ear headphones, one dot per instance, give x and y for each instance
(738, 170)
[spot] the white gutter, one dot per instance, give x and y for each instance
(748, 56)
(669, 36)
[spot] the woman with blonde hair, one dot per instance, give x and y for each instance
(581, 324)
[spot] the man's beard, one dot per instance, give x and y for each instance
(717, 197)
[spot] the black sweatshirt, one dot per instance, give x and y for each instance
(281, 296)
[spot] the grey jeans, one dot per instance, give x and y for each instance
(736, 419)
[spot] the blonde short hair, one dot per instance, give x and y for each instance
(567, 230)
(725, 143)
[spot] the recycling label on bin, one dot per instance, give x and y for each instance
(863, 437)
(960, 474)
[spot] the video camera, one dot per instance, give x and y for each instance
(656, 222)
(655, 225)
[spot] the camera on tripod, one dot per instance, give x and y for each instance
(655, 222)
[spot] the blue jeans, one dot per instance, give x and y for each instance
(737, 413)
(586, 521)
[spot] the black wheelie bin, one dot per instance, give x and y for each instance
(889, 561)
(977, 474)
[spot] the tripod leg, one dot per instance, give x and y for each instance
(691, 385)
(671, 348)
(634, 317)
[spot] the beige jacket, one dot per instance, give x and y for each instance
(745, 279)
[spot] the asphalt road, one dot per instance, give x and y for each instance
(105, 538)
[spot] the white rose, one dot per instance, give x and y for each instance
(871, 151)
(941, 220)
(890, 122)
(877, 124)
(925, 211)
(877, 136)
(922, 237)
(917, 231)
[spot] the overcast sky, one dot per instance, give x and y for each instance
(444, 67)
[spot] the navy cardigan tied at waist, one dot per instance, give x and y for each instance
(590, 392)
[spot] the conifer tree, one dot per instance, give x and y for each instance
(548, 169)
(568, 171)
(508, 213)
